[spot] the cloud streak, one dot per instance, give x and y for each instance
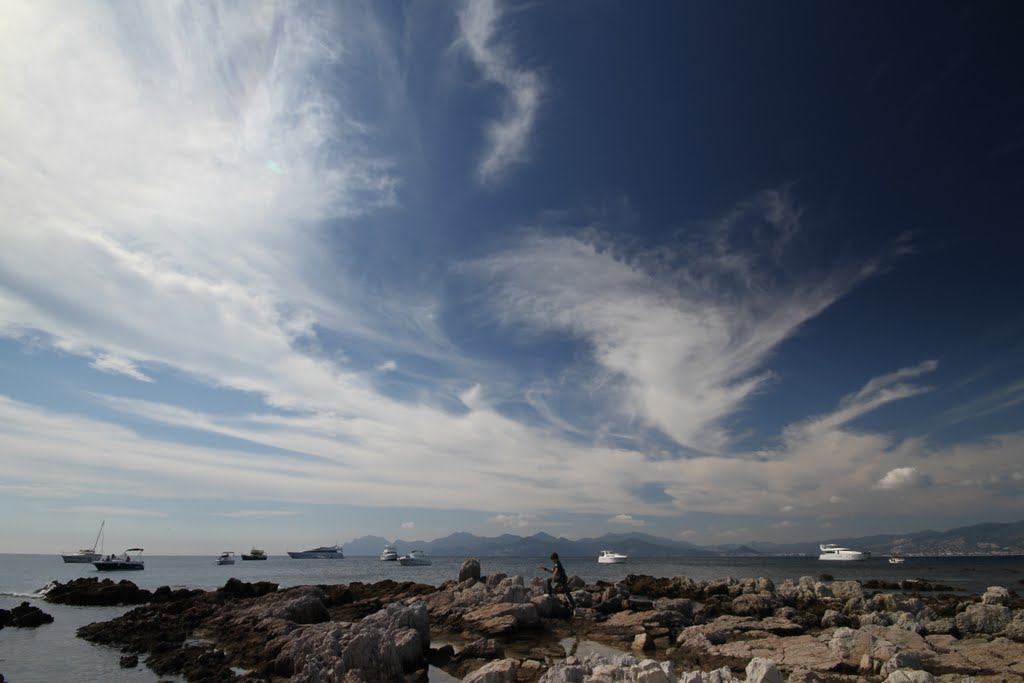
(508, 138)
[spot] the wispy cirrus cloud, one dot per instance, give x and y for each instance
(258, 514)
(680, 334)
(508, 138)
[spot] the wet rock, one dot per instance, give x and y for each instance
(129, 661)
(755, 604)
(93, 592)
(238, 590)
(24, 616)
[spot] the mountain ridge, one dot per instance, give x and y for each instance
(987, 538)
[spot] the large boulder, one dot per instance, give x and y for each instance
(500, 671)
(762, 670)
(981, 618)
(996, 595)
(24, 616)
(470, 569)
(93, 592)
(503, 617)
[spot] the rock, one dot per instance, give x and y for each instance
(129, 661)
(470, 569)
(910, 676)
(503, 617)
(802, 675)
(237, 590)
(832, 619)
(24, 616)
(643, 642)
(900, 660)
(761, 670)
(501, 671)
(755, 604)
(307, 609)
(980, 618)
(996, 595)
(93, 592)
(482, 648)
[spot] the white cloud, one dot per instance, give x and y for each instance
(835, 499)
(387, 366)
(680, 335)
(257, 514)
(785, 524)
(625, 520)
(117, 511)
(120, 366)
(688, 533)
(787, 508)
(902, 477)
(508, 137)
(516, 521)
(408, 525)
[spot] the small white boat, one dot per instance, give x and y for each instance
(324, 552)
(390, 553)
(414, 558)
(895, 559)
(611, 557)
(831, 551)
(129, 560)
(85, 555)
(254, 554)
(226, 557)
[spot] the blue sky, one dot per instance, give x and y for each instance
(286, 274)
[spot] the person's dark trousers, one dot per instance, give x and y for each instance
(565, 589)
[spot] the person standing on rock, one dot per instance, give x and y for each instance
(558, 578)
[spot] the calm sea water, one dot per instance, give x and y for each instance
(49, 652)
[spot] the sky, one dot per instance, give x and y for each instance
(287, 274)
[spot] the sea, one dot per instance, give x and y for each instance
(52, 652)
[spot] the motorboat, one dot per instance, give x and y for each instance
(129, 560)
(895, 559)
(85, 555)
(324, 552)
(254, 554)
(611, 557)
(390, 553)
(831, 551)
(226, 557)
(414, 558)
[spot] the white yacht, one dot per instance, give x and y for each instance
(226, 557)
(414, 558)
(611, 557)
(324, 552)
(390, 553)
(86, 555)
(831, 551)
(895, 559)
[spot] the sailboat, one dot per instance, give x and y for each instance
(85, 555)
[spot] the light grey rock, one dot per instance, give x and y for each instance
(980, 618)
(901, 660)
(762, 670)
(833, 619)
(499, 671)
(803, 675)
(996, 595)
(910, 676)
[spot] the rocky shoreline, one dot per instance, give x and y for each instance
(502, 629)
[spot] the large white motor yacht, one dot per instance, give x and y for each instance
(390, 553)
(611, 557)
(831, 551)
(414, 558)
(324, 552)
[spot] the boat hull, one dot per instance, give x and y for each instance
(852, 557)
(81, 558)
(254, 557)
(117, 566)
(313, 555)
(611, 560)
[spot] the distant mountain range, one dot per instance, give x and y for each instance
(980, 539)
